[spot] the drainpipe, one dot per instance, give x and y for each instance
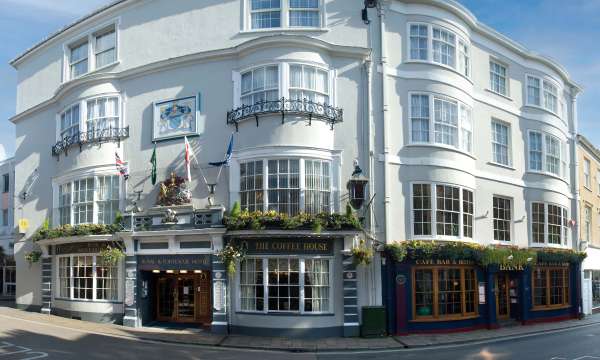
(575, 186)
(385, 116)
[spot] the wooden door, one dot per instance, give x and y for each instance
(204, 304)
(502, 296)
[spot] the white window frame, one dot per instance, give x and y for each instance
(100, 172)
(302, 179)
(562, 171)
(510, 221)
(508, 145)
(506, 77)
(83, 112)
(93, 43)
(460, 126)
(71, 297)
(285, 18)
(564, 228)
(458, 38)
(461, 213)
(284, 79)
(542, 105)
(265, 269)
(587, 223)
(89, 37)
(598, 181)
(60, 130)
(587, 176)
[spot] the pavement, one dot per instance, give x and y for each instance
(321, 345)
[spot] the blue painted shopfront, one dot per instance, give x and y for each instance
(398, 296)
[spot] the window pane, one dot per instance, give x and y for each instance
(500, 143)
(538, 222)
(444, 48)
(450, 290)
(251, 186)
(424, 292)
(448, 210)
(418, 42)
(421, 209)
(502, 219)
(420, 118)
(316, 285)
(446, 121)
(535, 151)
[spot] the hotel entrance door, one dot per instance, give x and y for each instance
(184, 298)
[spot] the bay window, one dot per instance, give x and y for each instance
(292, 185)
(272, 14)
(285, 284)
(444, 293)
(87, 277)
(102, 114)
(550, 287)
(438, 45)
(440, 210)
(69, 122)
(304, 82)
(549, 224)
(92, 200)
(92, 116)
(418, 42)
(260, 84)
(443, 127)
(546, 154)
(543, 93)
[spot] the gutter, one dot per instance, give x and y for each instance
(386, 121)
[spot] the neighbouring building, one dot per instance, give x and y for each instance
(7, 229)
(461, 136)
(588, 158)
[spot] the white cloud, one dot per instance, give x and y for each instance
(2, 152)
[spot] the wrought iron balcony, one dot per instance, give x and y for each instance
(309, 109)
(187, 218)
(90, 137)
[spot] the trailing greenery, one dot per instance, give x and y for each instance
(479, 254)
(45, 232)
(33, 256)
(112, 255)
(230, 255)
(259, 220)
(362, 254)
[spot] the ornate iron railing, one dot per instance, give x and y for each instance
(90, 137)
(311, 110)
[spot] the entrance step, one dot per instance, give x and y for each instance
(508, 323)
(193, 328)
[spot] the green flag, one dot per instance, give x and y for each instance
(153, 162)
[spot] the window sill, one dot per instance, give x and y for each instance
(441, 146)
(426, 320)
(90, 73)
(444, 238)
(548, 308)
(507, 97)
(446, 67)
(509, 167)
(296, 314)
(89, 301)
(284, 30)
(501, 242)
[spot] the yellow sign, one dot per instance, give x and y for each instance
(23, 226)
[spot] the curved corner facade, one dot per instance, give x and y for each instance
(464, 136)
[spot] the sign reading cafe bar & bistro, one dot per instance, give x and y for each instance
(287, 246)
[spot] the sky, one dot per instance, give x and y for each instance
(565, 30)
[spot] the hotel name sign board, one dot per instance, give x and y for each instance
(304, 246)
(174, 262)
(80, 248)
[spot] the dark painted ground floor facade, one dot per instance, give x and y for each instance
(448, 295)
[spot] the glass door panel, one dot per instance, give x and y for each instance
(186, 299)
(166, 298)
(502, 296)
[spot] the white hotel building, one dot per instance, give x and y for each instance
(463, 134)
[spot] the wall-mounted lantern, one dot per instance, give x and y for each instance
(356, 187)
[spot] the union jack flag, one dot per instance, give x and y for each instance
(123, 170)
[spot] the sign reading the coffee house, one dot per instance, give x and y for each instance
(287, 246)
(174, 262)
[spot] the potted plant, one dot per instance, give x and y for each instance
(362, 254)
(230, 255)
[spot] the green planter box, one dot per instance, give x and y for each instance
(373, 321)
